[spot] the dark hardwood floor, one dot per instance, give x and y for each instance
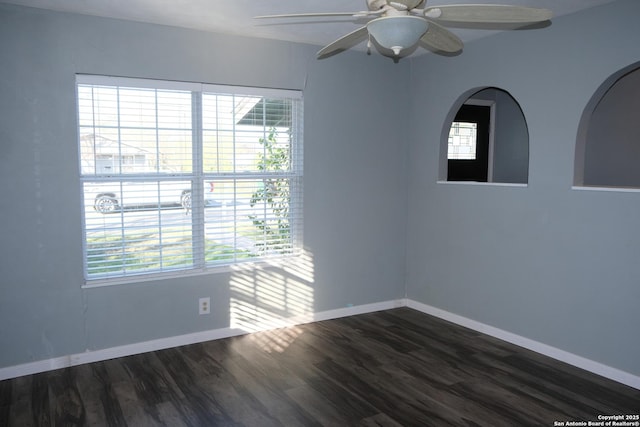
(392, 368)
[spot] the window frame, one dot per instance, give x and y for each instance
(490, 127)
(197, 176)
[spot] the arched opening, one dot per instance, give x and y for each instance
(485, 139)
(607, 144)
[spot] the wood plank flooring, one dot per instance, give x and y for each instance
(391, 368)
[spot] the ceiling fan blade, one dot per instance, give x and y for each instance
(488, 14)
(440, 38)
(321, 14)
(409, 4)
(344, 42)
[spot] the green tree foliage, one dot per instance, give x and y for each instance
(274, 193)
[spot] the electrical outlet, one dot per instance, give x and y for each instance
(204, 305)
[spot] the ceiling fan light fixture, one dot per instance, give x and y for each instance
(397, 32)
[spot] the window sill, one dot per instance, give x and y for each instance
(484, 184)
(606, 189)
(152, 277)
(180, 274)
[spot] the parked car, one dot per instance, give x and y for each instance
(110, 197)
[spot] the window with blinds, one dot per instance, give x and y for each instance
(178, 177)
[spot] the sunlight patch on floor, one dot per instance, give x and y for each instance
(271, 296)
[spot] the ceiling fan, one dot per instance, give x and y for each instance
(397, 26)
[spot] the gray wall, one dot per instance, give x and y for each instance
(544, 261)
(355, 184)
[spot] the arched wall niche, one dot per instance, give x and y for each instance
(508, 151)
(608, 139)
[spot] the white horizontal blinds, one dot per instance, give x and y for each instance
(140, 235)
(137, 141)
(248, 145)
(134, 130)
(135, 150)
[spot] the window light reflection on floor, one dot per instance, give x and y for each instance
(271, 296)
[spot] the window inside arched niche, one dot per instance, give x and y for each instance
(485, 139)
(608, 142)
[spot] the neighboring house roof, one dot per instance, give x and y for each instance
(270, 112)
(100, 145)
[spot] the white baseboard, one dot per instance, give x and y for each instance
(214, 334)
(547, 350)
(175, 341)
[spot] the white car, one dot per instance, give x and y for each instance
(110, 197)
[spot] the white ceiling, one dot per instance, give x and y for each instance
(235, 16)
